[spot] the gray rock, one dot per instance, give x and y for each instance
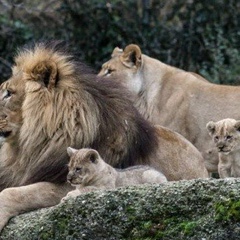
(196, 209)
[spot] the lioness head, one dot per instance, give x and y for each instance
(124, 66)
(82, 166)
(225, 134)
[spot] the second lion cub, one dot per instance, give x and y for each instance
(226, 136)
(88, 172)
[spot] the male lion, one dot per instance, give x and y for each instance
(62, 104)
(226, 137)
(10, 123)
(180, 100)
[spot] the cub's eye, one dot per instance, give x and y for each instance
(216, 138)
(78, 169)
(228, 137)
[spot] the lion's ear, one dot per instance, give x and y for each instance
(132, 56)
(71, 151)
(237, 125)
(211, 127)
(45, 72)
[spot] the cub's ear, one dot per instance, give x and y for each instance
(132, 56)
(71, 151)
(93, 157)
(45, 72)
(237, 125)
(211, 127)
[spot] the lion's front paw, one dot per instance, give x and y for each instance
(3, 220)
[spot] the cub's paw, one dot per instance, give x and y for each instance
(71, 194)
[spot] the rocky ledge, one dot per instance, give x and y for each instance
(196, 209)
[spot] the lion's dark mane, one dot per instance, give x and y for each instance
(116, 110)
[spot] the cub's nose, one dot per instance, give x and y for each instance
(220, 148)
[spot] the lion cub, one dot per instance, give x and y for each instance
(88, 172)
(226, 136)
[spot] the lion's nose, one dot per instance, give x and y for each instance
(69, 177)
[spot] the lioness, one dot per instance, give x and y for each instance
(88, 171)
(180, 100)
(62, 104)
(226, 137)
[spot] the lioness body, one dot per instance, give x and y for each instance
(171, 97)
(226, 137)
(62, 104)
(88, 171)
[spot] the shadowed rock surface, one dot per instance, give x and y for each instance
(196, 209)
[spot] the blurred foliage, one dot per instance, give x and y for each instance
(202, 36)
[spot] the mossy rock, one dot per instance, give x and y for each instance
(196, 209)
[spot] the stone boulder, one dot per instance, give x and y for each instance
(196, 209)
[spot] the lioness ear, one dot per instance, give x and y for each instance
(237, 125)
(132, 56)
(116, 51)
(211, 127)
(45, 72)
(71, 151)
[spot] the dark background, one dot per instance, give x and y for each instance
(202, 36)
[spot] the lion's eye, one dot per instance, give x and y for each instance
(216, 138)
(78, 169)
(7, 94)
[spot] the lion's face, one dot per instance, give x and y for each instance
(33, 71)
(82, 166)
(4, 129)
(12, 92)
(225, 134)
(10, 123)
(124, 67)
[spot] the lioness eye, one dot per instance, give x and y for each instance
(109, 71)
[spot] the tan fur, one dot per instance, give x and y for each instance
(168, 96)
(62, 104)
(10, 123)
(89, 172)
(226, 137)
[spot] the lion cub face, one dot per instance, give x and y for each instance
(225, 134)
(82, 166)
(124, 66)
